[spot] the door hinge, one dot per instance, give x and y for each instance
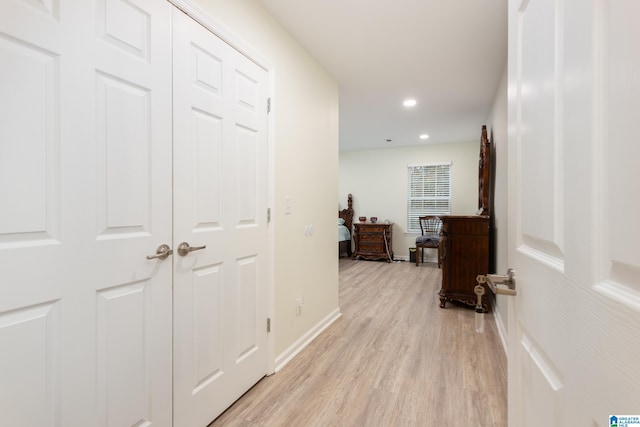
(268, 214)
(268, 324)
(268, 105)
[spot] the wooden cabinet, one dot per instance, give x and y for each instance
(464, 253)
(373, 241)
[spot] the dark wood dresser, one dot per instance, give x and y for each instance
(464, 253)
(466, 241)
(373, 241)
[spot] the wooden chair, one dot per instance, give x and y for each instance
(430, 227)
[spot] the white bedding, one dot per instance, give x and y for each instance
(343, 232)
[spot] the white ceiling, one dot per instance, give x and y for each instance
(449, 55)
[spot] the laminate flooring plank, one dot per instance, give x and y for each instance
(394, 358)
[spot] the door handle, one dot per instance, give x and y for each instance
(162, 252)
(493, 280)
(184, 249)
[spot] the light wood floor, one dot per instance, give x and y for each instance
(394, 358)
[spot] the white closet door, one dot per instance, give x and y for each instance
(220, 201)
(85, 188)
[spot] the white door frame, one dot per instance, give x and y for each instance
(203, 18)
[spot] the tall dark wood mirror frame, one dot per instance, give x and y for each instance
(484, 174)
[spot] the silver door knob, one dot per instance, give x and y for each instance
(162, 252)
(184, 249)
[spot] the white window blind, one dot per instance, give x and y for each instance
(429, 192)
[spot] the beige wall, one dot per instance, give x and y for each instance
(497, 127)
(378, 181)
(304, 128)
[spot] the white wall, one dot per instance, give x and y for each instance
(497, 128)
(378, 181)
(305, 137)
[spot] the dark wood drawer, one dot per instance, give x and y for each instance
(364, 237)
(465, 225)
(372, 247)
(373, 229)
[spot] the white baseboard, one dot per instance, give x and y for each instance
(295, 348)
(406, 258)
(501, 329)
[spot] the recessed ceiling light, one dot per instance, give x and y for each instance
(424, 136)
(409, 102)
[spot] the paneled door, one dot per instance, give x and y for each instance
(574, 238)
(220, 211)
(85, 197)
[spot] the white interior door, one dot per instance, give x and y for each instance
(574, 143)
(85, 189)
(132, 294)
(220, 201)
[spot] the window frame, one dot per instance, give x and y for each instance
(440, 202)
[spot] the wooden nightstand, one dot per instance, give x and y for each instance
(373, 241)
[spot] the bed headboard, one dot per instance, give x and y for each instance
(347, 214)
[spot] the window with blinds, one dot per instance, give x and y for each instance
(429, 192)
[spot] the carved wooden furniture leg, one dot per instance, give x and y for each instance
(443, 300)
